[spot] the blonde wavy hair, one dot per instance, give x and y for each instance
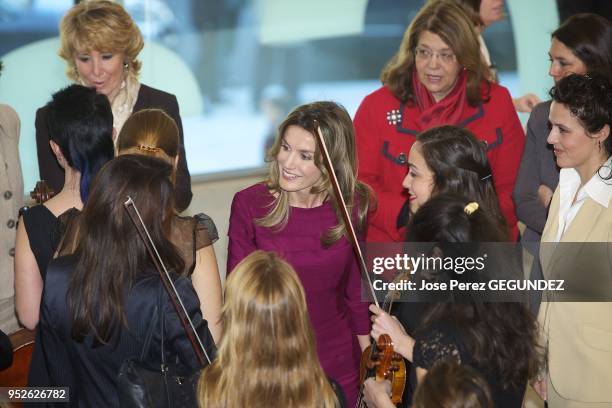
(103, 26)
(338, 133)
(267, 355)
(450, 22)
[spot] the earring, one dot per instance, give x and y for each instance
(125, 66)
(76, 74)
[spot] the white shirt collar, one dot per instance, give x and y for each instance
(597, 188)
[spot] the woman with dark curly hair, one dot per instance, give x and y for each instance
(498, 339)
(583, 43)
(576, 334)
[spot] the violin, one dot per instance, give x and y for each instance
(16, 375)
(22, 340)
(381, 362)
(378, 360)
(42, 192)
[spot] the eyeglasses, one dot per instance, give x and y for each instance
(426, 54)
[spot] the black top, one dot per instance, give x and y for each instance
(42, 228)
(148, 97)
(444, 341)
(91, 372)
(6, 351)
(188, 234)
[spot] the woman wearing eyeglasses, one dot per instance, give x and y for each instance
(437, 77)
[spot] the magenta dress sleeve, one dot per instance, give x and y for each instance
(241, 232)
(359, 317)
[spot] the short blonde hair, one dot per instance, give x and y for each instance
(100, 25)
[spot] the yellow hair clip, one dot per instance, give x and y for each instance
(146, 148)
(470, 208)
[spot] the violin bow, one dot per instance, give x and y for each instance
(348, 224)
(176, 300)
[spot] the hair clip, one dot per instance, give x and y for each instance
(485, 178)
(149, 149)
(470, 208)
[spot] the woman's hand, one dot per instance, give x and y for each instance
(383, 323)
(377, 393)
(544, 195)
(526, 103)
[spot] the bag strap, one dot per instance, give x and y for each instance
(175, 299)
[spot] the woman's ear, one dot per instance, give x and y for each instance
(176, 159)
(58, 154)
(604, 133)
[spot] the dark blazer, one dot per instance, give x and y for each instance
(148, 97)
(91, 372)
(537, 167)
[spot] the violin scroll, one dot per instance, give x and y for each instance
(384, 364)
(42, 192)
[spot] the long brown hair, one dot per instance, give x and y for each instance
(339, 135)
(267, 355)
(459, 163)
(110, 253)
(499, 336)
(447, 20)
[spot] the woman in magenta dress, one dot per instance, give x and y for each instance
(294, 213)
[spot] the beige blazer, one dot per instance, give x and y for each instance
(11, 195)
(579, 334)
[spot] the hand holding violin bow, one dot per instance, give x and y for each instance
(378, 360)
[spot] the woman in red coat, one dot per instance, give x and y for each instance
(436, 78)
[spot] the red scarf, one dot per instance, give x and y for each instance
(448, 111)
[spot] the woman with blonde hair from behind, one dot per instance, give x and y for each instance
(152, 132)
(267, 356)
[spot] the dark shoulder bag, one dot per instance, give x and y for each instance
(143, 383)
